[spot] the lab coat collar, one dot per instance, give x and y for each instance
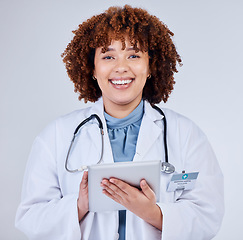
(98, 108)
(148, 134)
(149, 131)
(151, 113)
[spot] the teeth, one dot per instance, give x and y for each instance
(121, 82)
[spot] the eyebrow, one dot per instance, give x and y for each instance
(109, 49)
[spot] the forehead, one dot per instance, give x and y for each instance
(117, 46)
(120, 43)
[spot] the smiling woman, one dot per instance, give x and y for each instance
(133, 27)
(124, 61)
(121, 75)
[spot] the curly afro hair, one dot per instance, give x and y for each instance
(117, 23)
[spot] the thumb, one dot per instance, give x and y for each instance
(148, 192)
(84, 182)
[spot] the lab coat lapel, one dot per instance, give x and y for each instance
(149, 131)
(148, 134)
(98, 108)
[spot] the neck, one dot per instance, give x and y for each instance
(122, 110)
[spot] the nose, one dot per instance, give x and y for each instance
(121, 66)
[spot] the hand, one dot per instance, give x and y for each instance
(83, 198)
(140, 202)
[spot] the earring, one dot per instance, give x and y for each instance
(149, 76)
(94, 78)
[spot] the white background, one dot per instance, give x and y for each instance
(34, 87)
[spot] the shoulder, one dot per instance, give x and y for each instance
(182, 124)
(74, 116)
(177, 117)
(175, 121)
(64, 124)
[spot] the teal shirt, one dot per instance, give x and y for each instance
(123, 134)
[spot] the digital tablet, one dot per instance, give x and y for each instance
(130, 172)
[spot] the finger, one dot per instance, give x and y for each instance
(84, 182)
(112, 194)
(111, 187)
(114, 190)
(113, 197)
(107, 184)
(120, 185)
(111, 190)
(148, 192)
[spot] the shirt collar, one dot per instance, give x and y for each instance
(133, 117)
(149, 111)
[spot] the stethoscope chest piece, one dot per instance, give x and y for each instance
(167, 168)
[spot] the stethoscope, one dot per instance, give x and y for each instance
(166, 167)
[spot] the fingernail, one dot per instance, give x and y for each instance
(104, 181)
(143, 183)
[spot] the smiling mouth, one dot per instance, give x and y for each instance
(121, 82)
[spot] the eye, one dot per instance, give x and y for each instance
(134, 56)
(107, 57)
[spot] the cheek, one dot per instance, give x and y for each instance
(143, 65)
(102, 70)
(142, 70)
(98, 66)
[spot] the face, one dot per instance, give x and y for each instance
(121, 76)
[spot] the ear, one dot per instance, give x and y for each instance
(149, 74)
(94, 73)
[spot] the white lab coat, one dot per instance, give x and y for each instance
(48, 208)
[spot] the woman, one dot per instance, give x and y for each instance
(124, 61)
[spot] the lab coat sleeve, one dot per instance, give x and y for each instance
(196, 214)
(44, 213)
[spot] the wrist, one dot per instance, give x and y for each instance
(155, 217)
(82, 211)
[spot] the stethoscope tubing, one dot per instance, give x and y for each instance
(165, 131)
(82, 168)
(166, 167)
